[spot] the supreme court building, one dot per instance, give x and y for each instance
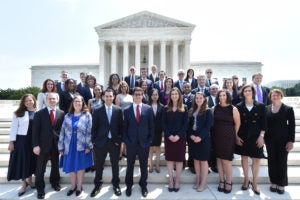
(141, 40)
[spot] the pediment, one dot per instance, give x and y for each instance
(145, 19)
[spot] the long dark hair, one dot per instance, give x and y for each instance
(20, 112)
(44, 88)
(195, 106)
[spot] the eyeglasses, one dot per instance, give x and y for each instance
(209, 72)
(235, 78)
(139, 94)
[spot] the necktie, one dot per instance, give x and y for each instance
(109, 119)
(161, 86)
(259, 97)
(138, 115)
(209, 83)
(62, 86)
(131, 82)
(52, 117)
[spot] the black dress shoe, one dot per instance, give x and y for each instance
(280, 191)
(78, 192)
(70, 192)
(21, 193)
(273, 189)
(176, 189)
(117, 191)
(96, 190)
(246, 187)
(41, 195)
(144, 192)
(128, 192)
(56, 187)
(170, 189)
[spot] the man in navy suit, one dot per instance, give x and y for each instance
(107, 137)
(81, 84)
(131, 79)
(201, 86)
(262, 92)
(153, 76)
(209, 79)
(60, 86)
(47, 123)
(180, 81)
(138, 131)
(160, 84)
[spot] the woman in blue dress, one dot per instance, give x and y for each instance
(75, 144)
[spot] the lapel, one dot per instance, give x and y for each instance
(105, 114)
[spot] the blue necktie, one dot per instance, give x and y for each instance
(109, 119)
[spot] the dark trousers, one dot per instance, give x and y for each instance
(190, 161)
(143, 153)
(41, 163)
(277, 161)
(101, 153)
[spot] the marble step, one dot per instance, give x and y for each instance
(293, 160)
(162, 177)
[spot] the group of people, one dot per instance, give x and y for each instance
(83, 123)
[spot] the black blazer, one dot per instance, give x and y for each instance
(79, 88)
(127, 79)
(65, 100)
(194, 83)
(150, 77)
(266, 91)
(176, 84)
(197, 89)
(210, 102)
(86, 94)
(157, 85)
(138, 132)
(101, 126)
(44, 134)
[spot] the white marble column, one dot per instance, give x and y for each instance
(151, 48)
(125, 58)
(113, 67)
(187, 54)
(101, 75)
(137, 56)
(175, 59)
(163, 55)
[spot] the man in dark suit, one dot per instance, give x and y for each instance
(262, 92)
(81, 84)
(180, 81)
(153, 76)
(107, 137)
(188, 99)
(60, 86)
(131, 79)
(45, 134)
(144, 78)
(209, 79)
(138, 131)
(201, 86)
(160, 84)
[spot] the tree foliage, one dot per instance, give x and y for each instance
(16, 94)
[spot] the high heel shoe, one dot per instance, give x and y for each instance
(70, 192)
(221, 189)
(31, 185)
(23, 189)
(78, 192)
(246, 187)
(225, 190)
(257, 192)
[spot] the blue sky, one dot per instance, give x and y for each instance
(37, 32)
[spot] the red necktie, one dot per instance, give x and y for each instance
(138, 115)
(161, 86)
(52, 117)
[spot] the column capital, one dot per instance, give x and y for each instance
(187, 41)
(101, 42)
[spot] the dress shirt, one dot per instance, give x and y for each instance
(261, 92)
(109, 114)
(54, 111)
(134, 108)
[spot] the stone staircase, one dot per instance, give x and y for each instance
(153, 178)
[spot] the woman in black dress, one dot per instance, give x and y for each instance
(251, 135)
(225, 127)
(22, 161)
(156, 141)
(279, 139)
(67, 96)
(200, 122)
(175, 124)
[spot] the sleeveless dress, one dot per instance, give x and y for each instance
(22, 161)
(223, 132)
(76, 160)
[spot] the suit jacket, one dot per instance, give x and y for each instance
(194, 82)
(176, 84)
(203, 124)
(58, 88)
(141, 132)
(212, 81)
(127, 79)
(101, 126)
(210, 102)
(86, 94)
(175, 123)
(83, 133)
(65, 100)
(79, 88)
(197, 89)
(188, 101)
(162, 98)
(150, 77)
(266, 92)
(157, 85)
(44, 134)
